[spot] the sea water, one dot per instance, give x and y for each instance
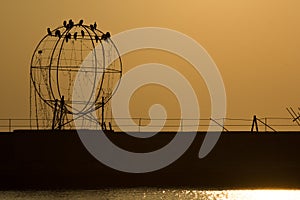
(153, 193)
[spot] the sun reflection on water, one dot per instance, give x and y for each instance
(239, 194)
(263, 194)
(153, 194)
(222, 194)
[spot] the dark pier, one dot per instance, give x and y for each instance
(58, 160)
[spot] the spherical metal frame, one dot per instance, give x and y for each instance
(63, 35)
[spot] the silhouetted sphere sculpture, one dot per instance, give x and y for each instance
(59, 58)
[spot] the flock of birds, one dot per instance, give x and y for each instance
(71, 24)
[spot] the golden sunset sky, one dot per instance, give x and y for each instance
(255, 44)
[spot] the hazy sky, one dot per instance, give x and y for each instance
(254, 43)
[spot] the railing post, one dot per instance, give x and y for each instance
(254, 124)
(140, 122)
(9, 125)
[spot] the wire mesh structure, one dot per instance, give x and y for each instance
(75, 70)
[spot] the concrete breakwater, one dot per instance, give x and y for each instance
(58, 160)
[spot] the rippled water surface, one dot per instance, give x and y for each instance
(154, 193)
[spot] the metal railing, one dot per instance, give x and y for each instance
(175, 124)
